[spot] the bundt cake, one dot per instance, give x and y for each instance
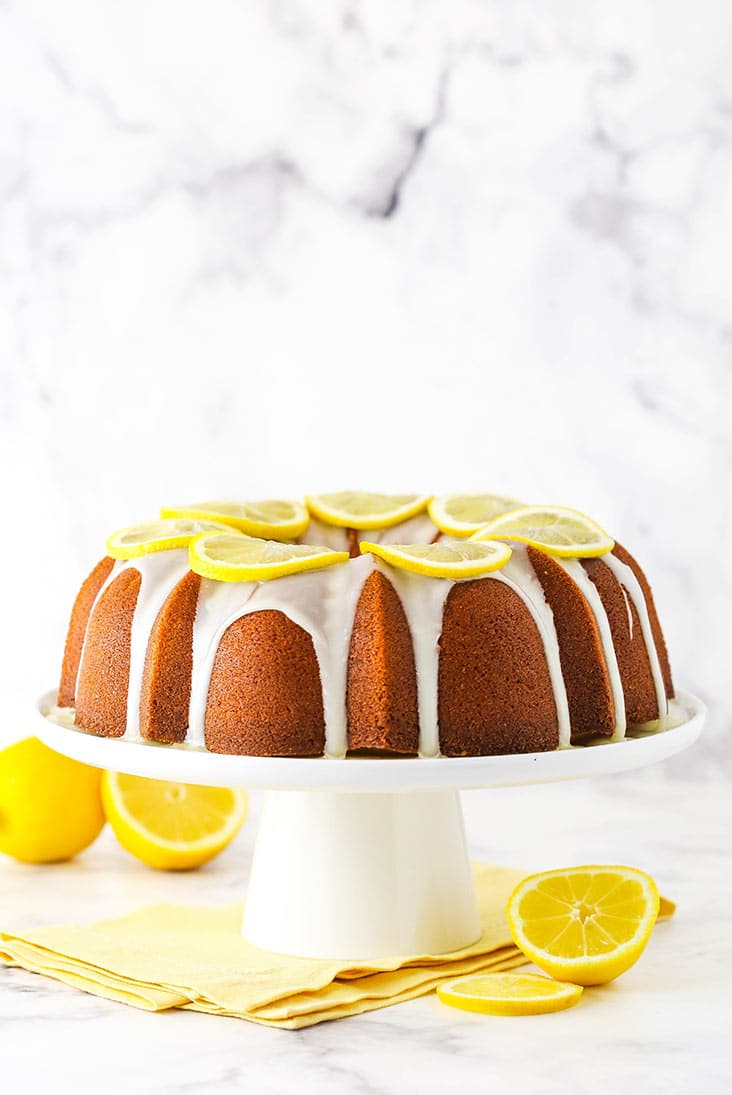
(367, 657)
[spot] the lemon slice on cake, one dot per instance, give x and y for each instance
(442, 560)
(160, 535)
(231, 557)
(271, 519)
(464, 514)
(361, 509)
(555, 529)
(584, 924)
(172, 826)
(509, 994)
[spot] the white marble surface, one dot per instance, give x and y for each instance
(664, 1027)
(266, 247)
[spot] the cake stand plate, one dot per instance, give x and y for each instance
(364, 858)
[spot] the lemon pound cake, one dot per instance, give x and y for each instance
(365, 623)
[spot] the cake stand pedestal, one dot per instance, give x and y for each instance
(364, 858)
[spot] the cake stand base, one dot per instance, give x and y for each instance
(339, 875)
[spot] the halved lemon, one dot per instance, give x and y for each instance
(231, 557)
(509, 994)
(272, 519)
(555, 529)
(442, 560)
(463, 514)
(361, 509)
(584, 924)
(172, 826)
(160, 535)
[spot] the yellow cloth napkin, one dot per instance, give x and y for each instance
(188, 956)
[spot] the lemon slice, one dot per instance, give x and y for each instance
(442, 560)
(584, 924)
(231, 557)
(509, 994)
(555, 529)
(172, 826)
(272, 519)
(463, 514)
(362, 510)
(161, 535)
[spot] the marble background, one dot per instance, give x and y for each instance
(266, 247)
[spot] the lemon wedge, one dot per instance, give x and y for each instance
(272, 519)
(584, 924)
(555, 529)
(442, 560)
(463, 514)
(509, 994)
(361, 509)
(231, 557)
(161, 535)
(172, 826)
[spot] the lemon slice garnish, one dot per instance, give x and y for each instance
(161, 535)
(443, 560)
(555, 529)
(272, 519)
(231, 557)
(172, 826)
(463, 514)
(584, 924)
(509, 994)
(361, 509)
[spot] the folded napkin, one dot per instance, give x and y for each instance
(189, 956)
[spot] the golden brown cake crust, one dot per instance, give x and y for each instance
(625, 557)
(77, 629)
(104, 675)
(381, 697)
(494, 692)
(166, 682)
(265, 696)
(591, 707)
(634, 665)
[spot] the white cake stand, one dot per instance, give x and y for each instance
(365, 857)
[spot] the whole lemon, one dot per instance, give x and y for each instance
(50, 806)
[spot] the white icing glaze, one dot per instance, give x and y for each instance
(323, 535)
(423, 600)
(219, 604)
(416, 530)
(160, 573)
(577, 572)
(628, 581)
(519, 574)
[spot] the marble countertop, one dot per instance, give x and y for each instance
(664, 1027)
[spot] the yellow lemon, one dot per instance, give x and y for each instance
(172, 826)
(555, 529)
(584, 924)
(232, 557)
(363, 509)
(50, 806)
(160, 535)
(443, 559)
(272, 519)
(464, 514)
(509, 994)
